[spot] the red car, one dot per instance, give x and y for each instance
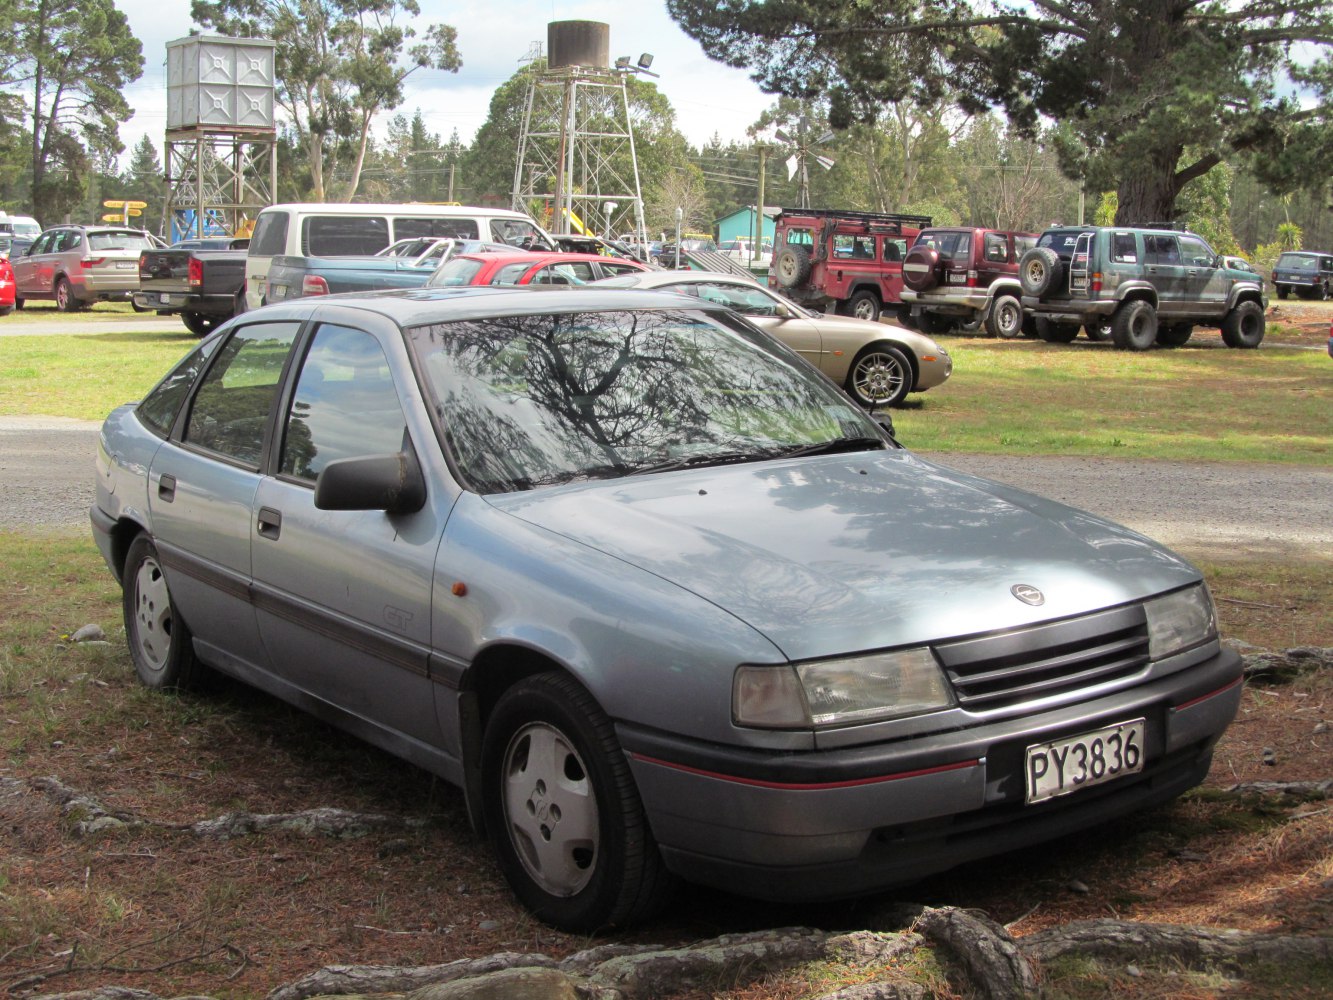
(6, 287)
(526, 268)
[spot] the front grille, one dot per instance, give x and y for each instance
(995, 671)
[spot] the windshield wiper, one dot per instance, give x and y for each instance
(609, 471)
(697, 461)
(834, 446)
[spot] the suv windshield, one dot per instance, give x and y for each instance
(532, 401)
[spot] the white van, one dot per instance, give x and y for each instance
(332, 230)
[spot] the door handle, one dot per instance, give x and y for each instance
(166, 489)
(270, 523)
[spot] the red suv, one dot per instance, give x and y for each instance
(969, 274)
(846, 262)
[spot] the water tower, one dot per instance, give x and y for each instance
(221, 146)
(576, 151)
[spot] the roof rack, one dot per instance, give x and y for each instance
(1179, 227)
(919, 221)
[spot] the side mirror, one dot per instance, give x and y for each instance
(391, 483)
(781, 311)
(885, 422)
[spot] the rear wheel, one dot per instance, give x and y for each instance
(65, 299)
(1056, 333)
(1005, 318)
(881, 375)
(864, 305)
(1175, 335)
(1134, 325)
(200, 324)
(160, 643)
(1098, 332)
(1283, 291)
(1244, 326)
(563, 811)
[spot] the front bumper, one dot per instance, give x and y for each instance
(832, 824)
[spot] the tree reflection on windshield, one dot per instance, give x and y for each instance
(538, 400)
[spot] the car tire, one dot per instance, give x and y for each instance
(200, 324)
(1321, 292)
(792, 267)
(880, 375)
(1175, 334)
(1030, 326)
(1099, 332)
(1134, 325)
(563, 811)
(65, 298)
(6, 310)
(20, 303)
(905, 318)
(1283, 291)
(1005, 318)
(864, 304)
(159, 641)
(921, 268)
(1056, 333)
(1244, 326)
(1039, 271)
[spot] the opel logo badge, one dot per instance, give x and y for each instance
(1028, 594)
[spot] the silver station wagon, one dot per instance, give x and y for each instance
(663, 601)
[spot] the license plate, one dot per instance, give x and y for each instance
(125, 265)
(957, 279)
(1064, 766)
(164, 298)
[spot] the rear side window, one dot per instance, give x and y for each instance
(231, 408)
(270, 236)
(456, 229)
(340, 235)
(995, 247)
(159, 408)
(1124, 248)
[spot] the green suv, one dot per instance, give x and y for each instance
(1148, 285)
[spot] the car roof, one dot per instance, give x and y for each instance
(410, 307)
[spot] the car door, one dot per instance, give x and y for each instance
(1203, 285)
(201, 489)
(1162, 266)
(26, 267)
(343, 597)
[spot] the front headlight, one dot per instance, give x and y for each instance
(1180, 620)
(840, 692)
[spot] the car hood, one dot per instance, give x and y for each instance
(852, 552)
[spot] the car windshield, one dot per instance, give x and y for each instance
(459, 271)
(540, 400)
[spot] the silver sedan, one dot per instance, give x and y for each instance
(878, 364)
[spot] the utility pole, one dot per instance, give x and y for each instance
(757, 246)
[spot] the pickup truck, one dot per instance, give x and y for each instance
(203, 280)
(293, 277)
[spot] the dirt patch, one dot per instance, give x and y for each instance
(1296, 322)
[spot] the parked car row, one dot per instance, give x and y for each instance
(1135, 286)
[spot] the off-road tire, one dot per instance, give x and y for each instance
(921, 268)
(864, 304)
(200, 324)
(1056, 333)
(792, 267)
(1005, 317)
(1174, 334)
(1244, 326)
(1134, 325)
(1040, 271)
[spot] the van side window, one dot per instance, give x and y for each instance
(442, 228)
(270, 236)
(1123, 250)
(339, 235)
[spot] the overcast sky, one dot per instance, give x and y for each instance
(493, 38)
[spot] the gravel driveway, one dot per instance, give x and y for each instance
(1206, 508)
